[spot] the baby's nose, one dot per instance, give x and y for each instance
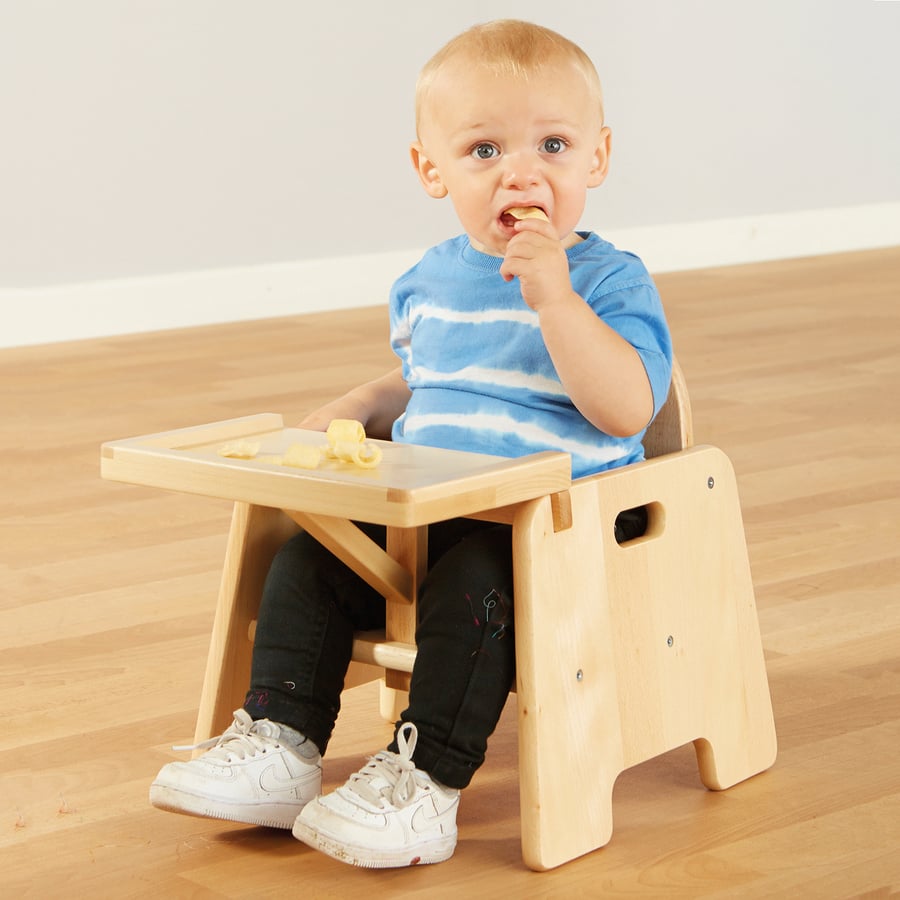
(521, 170)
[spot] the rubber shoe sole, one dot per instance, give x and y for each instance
(267, 814)
(421, 854)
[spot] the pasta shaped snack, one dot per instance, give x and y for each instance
(346, 443)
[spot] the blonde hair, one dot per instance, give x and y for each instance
(508, 47)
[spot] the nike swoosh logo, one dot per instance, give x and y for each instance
(272, 782)
(422, 822)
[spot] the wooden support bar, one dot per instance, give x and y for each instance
(358, 551)
(409, 547)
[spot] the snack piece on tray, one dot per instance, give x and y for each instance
(341, 431)
(302, 456)
(347, 441)
(528, 212)
(239, 449)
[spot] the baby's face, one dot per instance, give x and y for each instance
(496, 142)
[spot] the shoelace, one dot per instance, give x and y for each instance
(397, 769)
(241, 739)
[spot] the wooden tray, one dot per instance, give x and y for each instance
(411, 486)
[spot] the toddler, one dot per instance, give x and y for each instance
(519, 335)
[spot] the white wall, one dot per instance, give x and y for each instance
(166, 162)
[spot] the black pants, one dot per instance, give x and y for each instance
(465, 664)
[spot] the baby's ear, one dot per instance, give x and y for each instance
(600, 166)
(427, 172)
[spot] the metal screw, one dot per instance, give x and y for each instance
(670, 641)
(579, 675)
(710, 482)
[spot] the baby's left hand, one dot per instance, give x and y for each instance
(536, 257)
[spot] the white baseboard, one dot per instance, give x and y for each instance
(748, 239)
(124, 306)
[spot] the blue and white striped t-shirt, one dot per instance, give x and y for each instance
(475, 361)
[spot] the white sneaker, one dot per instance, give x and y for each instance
(388, 814)
(248, 776)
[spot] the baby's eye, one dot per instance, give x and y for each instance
(484, 151)
(553, 145)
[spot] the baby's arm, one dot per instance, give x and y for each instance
(377, 404)
(601, 372)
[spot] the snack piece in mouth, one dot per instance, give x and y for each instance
(527, 212)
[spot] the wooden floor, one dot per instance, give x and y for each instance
(107, 594)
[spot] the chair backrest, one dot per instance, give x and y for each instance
(673, 428)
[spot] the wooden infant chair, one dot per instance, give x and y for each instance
(623, 651)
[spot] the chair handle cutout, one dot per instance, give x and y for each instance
(639, 524)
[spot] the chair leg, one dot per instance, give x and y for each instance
(625, 652)
(255, 536)
(690, 653)
(570, 742)
(391, 702)
(735, 733)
